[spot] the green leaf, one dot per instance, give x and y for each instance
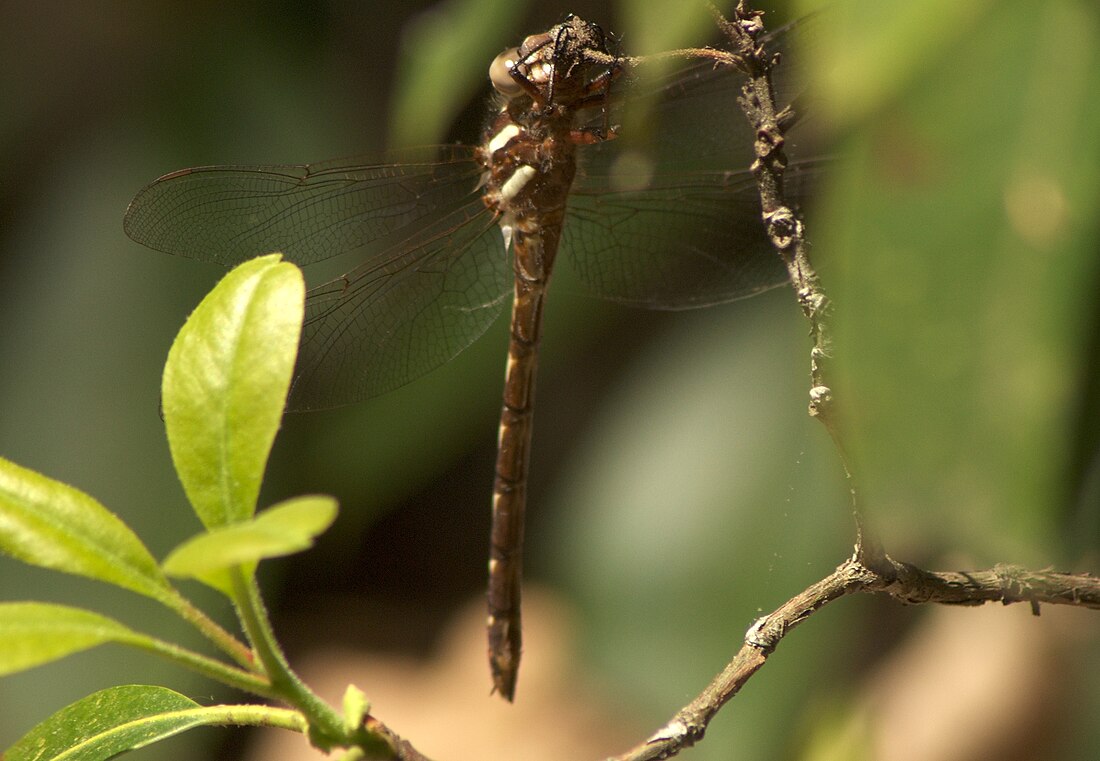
(119, 719)
(225, 385)
(107, 723)
(50, 524)
(33, 633)
(284, 529)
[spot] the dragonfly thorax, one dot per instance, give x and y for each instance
(528, 148)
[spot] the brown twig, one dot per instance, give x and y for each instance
(869, 569)
(400, 749)
(787, 233)
(904, 582)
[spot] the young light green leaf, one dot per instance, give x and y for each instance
(50, 524)
(286, 528)
(225, 385)
(33, 633)
(120, 719)
(356, 708)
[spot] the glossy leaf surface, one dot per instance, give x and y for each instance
(225, 386)
(284, 529)
(46, 523)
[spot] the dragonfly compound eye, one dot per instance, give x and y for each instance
(500, 74)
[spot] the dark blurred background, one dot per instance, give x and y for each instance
(672, 451)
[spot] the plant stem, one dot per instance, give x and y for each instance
(326, 727)
(254, 716)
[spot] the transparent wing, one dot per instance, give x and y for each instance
(689, 241)
(403, 312)
(228, 214)
(666, 214)
(431, 274)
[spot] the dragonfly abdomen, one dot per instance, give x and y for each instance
(529, 160)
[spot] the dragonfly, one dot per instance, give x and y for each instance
(442, 242)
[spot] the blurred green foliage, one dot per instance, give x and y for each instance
(678, 491)
(964, 231)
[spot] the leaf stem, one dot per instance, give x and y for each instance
(241, 679)
(212, 630)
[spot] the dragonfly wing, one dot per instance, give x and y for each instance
(311, 212)
(666, 215)
(690, 241)
(407, 310)
(432, 270)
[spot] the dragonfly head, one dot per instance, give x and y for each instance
(563, 66)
